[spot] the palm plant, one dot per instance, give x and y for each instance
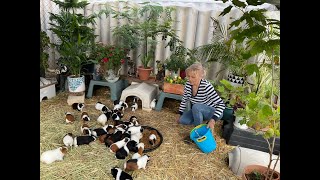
(76, 38)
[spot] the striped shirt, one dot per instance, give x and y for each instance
(205, 95)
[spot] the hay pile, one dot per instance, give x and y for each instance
(174, 159)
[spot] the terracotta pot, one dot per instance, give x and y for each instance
(173, 88)
(260, 169)
(144, 73)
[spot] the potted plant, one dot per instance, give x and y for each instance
(261, 36)
(110, 59)
(223, 50)
(174, 85)
(44, 56)
(76, 39)
(232, 96)
(144, 32)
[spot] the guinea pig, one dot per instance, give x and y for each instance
(85, 116)
(85, 130)
(80, 140)
(132, 146)
(102, 138)
(140, 151)
(135, 164)
(102, 119)
(113, 138)
(50, 156)
(116, 115)
(78, 106)
(135, 129)
(123, 152)
(69, 117)
(118, 174)
(98, 132)
(68, 139)
(110, 129)
(118, 144)
(136, 137)
(101, 107)
(152, 139)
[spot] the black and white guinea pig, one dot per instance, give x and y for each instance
(78, 106)
(50, 156)
(123, 152)
(135, 164)
(132, 146)
(69, 118)
(85, 116)
(101, 107)
(118, 174)
(136, 137)
(134, 120)
(85, 130)
(116, 115)
(135, 129)
(81, 140)
(118, 144)
(98, 132)
(68, 139)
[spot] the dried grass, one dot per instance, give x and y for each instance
(174, 159)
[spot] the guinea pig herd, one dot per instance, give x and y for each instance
(121, 137)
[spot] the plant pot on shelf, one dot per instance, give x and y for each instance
(144, 73)
(173, 88)
(236, 81)
(249, 172)
(76, 84)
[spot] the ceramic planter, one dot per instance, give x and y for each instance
(173, 88)
(76, 84)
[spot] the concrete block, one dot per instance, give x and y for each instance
(75, 98)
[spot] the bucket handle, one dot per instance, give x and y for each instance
(203, 138)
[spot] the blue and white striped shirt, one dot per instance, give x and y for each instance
(205, 95)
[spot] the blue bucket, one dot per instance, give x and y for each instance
(203, 137)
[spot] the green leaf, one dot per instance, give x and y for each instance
(226, 10)
(255, 2)
(252, 104)
(251, 68)
(239, 3)
(267, 110)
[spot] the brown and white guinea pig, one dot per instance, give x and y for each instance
(135, 129)
(81, 140)
(136, 137)
(85, 130)
(118, 174)
(85, 116)
(140, 151)
(117, 136)
(118, 144)
(50, 156)
(68, 139)
(123, 152)
(110, 129)
(135, 164)
(101, 107)
(102, 138)
(69, 117)
(153, 137)
(78, 106)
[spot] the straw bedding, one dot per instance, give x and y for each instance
(174, 159)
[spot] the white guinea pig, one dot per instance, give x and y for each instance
(68, 139)
(53, 155)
